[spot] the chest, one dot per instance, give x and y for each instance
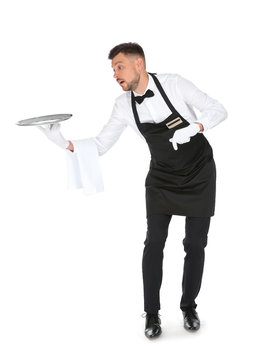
(155, 110)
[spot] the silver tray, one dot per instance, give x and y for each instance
(43, 120)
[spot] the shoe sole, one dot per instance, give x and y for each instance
(154, 336)
(192, 329)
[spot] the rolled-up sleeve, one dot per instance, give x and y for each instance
(112, 130)
(212, 111)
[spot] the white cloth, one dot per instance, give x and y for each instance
(83, 168)
(182, 93)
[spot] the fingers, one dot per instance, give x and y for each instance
(174, 143)
(49, 127)
(41, 129)
(55, 126)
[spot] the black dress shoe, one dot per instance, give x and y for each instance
(191, 319)
(152, 327)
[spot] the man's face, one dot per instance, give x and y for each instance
(126, 71)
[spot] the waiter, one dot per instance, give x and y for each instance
(182, 176)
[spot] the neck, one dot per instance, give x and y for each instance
(142, 85)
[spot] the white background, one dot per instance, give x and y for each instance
(70, 265)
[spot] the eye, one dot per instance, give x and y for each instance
(120, 67)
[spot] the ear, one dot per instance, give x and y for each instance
(139, 63)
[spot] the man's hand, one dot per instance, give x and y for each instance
(182, 136)
(52, 132)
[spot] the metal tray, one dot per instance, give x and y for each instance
(42, 120)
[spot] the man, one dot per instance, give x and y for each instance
(182, 175)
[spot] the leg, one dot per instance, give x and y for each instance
(157, 231)
(195, 241)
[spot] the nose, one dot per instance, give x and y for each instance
(115, 75)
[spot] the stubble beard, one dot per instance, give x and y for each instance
(133, 84)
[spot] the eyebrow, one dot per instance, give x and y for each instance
(118, 62)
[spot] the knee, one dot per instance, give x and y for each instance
(157, 230)
(194, 244)
(196, 234)
(155, 238)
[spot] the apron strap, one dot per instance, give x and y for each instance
(135, 113)
(162, 92)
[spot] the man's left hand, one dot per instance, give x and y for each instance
(182, 136)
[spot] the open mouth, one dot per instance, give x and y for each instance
(121, 82)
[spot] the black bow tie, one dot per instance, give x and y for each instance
(140, 99)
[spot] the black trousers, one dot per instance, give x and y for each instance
(196, 230)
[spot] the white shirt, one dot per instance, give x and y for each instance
(184, 96)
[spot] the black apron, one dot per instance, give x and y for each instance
(179, 182)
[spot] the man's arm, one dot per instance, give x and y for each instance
(110, 133)
(212, 112)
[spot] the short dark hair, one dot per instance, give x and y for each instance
(131, 48)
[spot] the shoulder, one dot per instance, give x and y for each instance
(172, 79)
(176, 85)
(123, 99)
(166, 76)
(122, 106)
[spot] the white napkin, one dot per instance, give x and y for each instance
(83, 168)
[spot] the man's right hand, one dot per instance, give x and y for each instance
(53, 133)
